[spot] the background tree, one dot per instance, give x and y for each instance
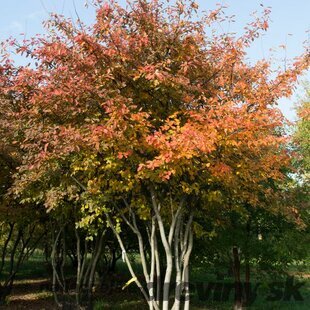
(302, 133)
(21, 226)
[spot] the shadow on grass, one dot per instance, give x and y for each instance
(31, 294)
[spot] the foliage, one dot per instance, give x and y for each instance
(302, 134)
(148, 118)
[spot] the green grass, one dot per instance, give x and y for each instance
(34, 267)
(131, 298)
(124, 304)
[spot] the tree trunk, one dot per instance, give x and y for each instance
(158, 271)
(168, 252)
(177, 244)
(178, 264)
(247, 284)
(128, 263)
(186, 271)
(96, 255)
(238, 284)
(79, 268)
(54, 266)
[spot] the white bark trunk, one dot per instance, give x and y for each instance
(186, 271)
(149, 277)
(178, 263)
(158, 274)
(128, 263)
(167, 280)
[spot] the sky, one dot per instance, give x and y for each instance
(290, 25)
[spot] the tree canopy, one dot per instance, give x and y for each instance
(148, 117)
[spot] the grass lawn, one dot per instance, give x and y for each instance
(32, 290)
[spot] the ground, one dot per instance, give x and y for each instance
(32, 290)
(31, 294)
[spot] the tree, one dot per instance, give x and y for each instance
(21, 226)
(150, 115)
(302, 134)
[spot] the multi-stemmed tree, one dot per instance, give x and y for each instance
(145, 118)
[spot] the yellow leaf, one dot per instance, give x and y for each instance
(129, 282)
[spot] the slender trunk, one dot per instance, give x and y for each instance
(18, 238)
(128, 263)
(168, 252)
(147, 276)
(86, 275)
(78, 271)
(152, 272)
(14, 265)
(141, 251)
(55, 274)
(158, 274)
(5, 245)
(92, 270)
(186, 271)
(21, 256)
(247, 284)
(6, 288)
(81, 263)
(63, 259)
(178, 263)
(84, 259)
(238, 284)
